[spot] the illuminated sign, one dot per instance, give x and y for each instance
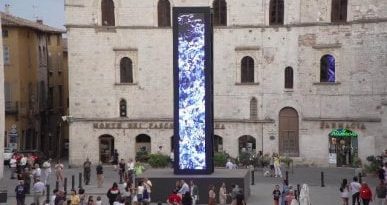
(342, 133)
(193, 90)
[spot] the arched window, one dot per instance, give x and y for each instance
(106, 148)
(164, 13)
(327, 69)
(339, 10)
(253, 108)
(107, 10)
(218, 143)
(220, 13)
(126, 70)
(276, 15)
(143, 144)
(247, 70)
(123, 108)
(289, 77)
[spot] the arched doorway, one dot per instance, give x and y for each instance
(106, 148)
(218, 143)
(288, 132)
(247, 143)
(143, 143)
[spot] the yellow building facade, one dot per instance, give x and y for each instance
(28, 48)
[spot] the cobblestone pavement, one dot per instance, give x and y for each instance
(260, 191)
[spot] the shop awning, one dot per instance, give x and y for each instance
(342, 133)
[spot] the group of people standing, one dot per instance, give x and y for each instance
(289, 196)
(184, 194)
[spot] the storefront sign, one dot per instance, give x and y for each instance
(347, 125)
(141, 125)
(340, 133)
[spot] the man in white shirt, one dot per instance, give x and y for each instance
(23, 161)
(38, 189)
(184, 188)
(47, 170)
(229, 164)
(354, 187)
(148, 186)
(37, 172)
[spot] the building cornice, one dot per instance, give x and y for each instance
(343, 119)
(261, 26)
(124, 119)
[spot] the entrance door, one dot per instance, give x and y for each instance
(288, 132)
(106, 148)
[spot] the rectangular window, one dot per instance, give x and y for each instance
(58, 40)
(5, 33)
(60, 95)
(50, 97)
(6, 55)
(49, 40)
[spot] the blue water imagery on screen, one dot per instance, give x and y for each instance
(331, 68)
(191, 64)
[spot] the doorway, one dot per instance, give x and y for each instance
(106, 148)
(288, 132)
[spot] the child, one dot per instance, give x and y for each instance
(99, 201)
(276, 194)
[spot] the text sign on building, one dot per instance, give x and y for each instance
(193, 90)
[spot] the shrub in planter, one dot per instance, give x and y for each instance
(158, 160)
(373, 166)
(142, 156)
(245, 159)
(220, 159)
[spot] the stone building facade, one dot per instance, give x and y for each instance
(286, 74)
(27, 55)
(2, 113)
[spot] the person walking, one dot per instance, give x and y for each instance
(344, 189)
(47, 171)
(304, 195)
(234, 192)
(121, 170)
(59, 169)
(74, 198)
(13, 165)
(194, 192)
(277, 166)
(276, 194)
(115, 159)
(113, 193)
(26, 177)
(285, 191)
(148, 186)
(187, 199)
(211, 195)
(354, 187)
(38, 189)
(20, 193)
(365, 193)
(87, 171)
(99, 170)
(223, 194)
(380, 194)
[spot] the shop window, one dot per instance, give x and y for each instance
(220, 12)
(327, 69)
(164, 13)
(276, 12)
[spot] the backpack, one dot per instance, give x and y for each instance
(365, 193)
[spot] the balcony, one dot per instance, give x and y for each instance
(11, 108)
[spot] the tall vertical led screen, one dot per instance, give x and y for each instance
(193, 90)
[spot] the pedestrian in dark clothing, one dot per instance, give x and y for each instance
(60, 198)
(187, 199)
(20, 193)
(121, 169)
(27, 180)
(87, 171)
(115, 159)
(99, 170)
(113, 193)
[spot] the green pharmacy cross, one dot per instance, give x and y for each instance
(338, 133)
